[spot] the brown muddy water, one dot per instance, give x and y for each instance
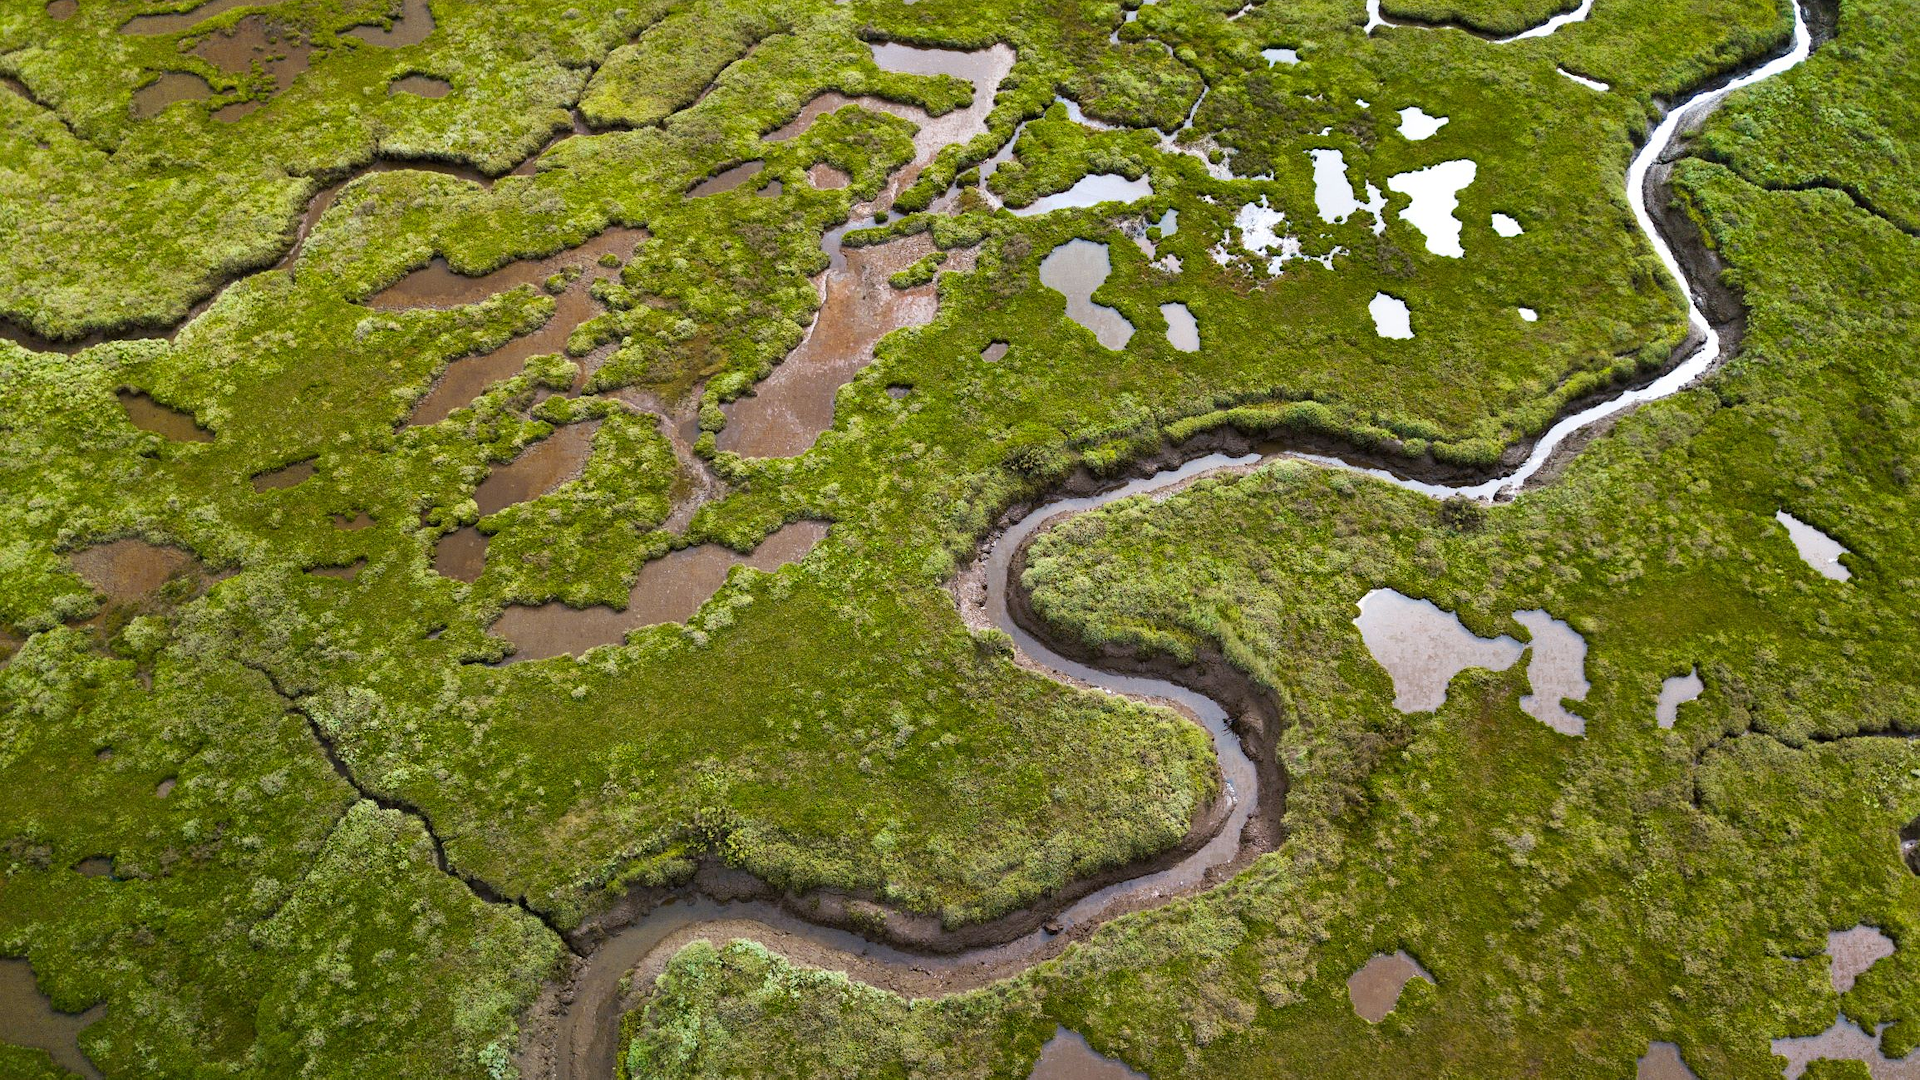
(280, 52)
(172, 86)
(174, 22)
(27, 1018)
(131, 569)
(1375, 988)
(1074, 270)
(461, 554)
(726, 179)
(669, 589)
(790, 408)
(825, 177)
(149, 415)
(995, 352)
(438, 286)
(539, 469)
(284, 477)
(412, 28)
(420, 85)
(1845, 1041)
(1662, 1061)
(62, 10)
(1423, 647)
(1852, 952)
(1068, 1057)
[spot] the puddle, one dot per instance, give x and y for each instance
(1375, 988)
(27, 1018)
(128, 570)
(1279, 56)
(1416, 125)
(1091, 191)
(461, 554)
(825, 177)
(1423, 647)
(1676, 691)
(1822, 552)
(1074, 270)
(94, 866)
(412, 28)
(438, 286)
(789, 409)
(353, 524)
(1435, 193)
(252, 40)
(341, 573)
(669, 589)
(1391, 316)
(290, 476)
(773, 190)
(1527, 314)
(173, 22)
(1506, 226)
(62, 10)
(539, 469)
(995, 352)
(1332, 192)
(1556, 670)
(1854, 951)
(1662, 1061)
(172, 86)
(1183, 331)
(165, 787)
(1844, 1041)
(422, 85)
(1591, 84)
(1068, 1057)
(726, 180)
(149, 415)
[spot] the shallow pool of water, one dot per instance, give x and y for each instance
(1068, 1057)
(149, 415)
(1417, 126)
(1423, 647)
(461, 554)
(412, 28)
(173, 22)
(1845, 1041)
(1183, 330)
(539, 469)
(1852, 952)
(1435, 192)
(1279, 56)
(1075, 270)
(284, 477)
(421, 86)
(171, 87)
(27, 1018)
(1676, 691)
(1822, 552)
(1555, 670)
(1333, 196)
(1375, 989)
(1662, 1061)
(130, 569)
(1506, 226)
(1091, 191)
(669, 589)
(1391, 316)
(727, 179)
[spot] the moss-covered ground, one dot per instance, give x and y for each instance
(371, 834)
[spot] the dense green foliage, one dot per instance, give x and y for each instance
(834, 724)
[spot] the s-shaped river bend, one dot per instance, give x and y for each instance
(578, 1039)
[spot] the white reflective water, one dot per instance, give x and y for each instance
(1416, 125)
(1391, 317)
(1074, 270)
(1822, 552)
(1506, 226)
(1332, 191)
(1435, 192)
(1527, 314)
(1279, 56)
(1423, 647)
(1092, 191)
(1591, 84)
(1556, 670)
(1183, 330)
(1676, 691)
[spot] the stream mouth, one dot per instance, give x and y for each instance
(573, 1031)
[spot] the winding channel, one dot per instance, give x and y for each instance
(583, 1031)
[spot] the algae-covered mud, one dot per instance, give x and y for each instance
(695, 538)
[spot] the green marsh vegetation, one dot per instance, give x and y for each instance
(829, 725)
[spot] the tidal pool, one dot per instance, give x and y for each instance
(1091, 190)
(27, 1018)
(1423, 647)
(1556, 670)
(539, 469)
(1068, 1057)
(131, 569)
(279, 52)
(1416, 125)
(726, 179)
(172, 86)
(995, 351)
(1662, 1061)
(1279, 56)
(669, 589)
(1845, 1041)
(1822, 552)
(1375, 988)
(411, 28)
(172, 22)
(1333, 194)
(1676, 691)
(1435, 192)
(426, 86)
(284, 477)
(1852, 952)
(1075, 270)
(1506, 226)
(1527, 314)
(461, 554)
(1183, 330)
(1591, 84)
(149, 415)
(1391, 316)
